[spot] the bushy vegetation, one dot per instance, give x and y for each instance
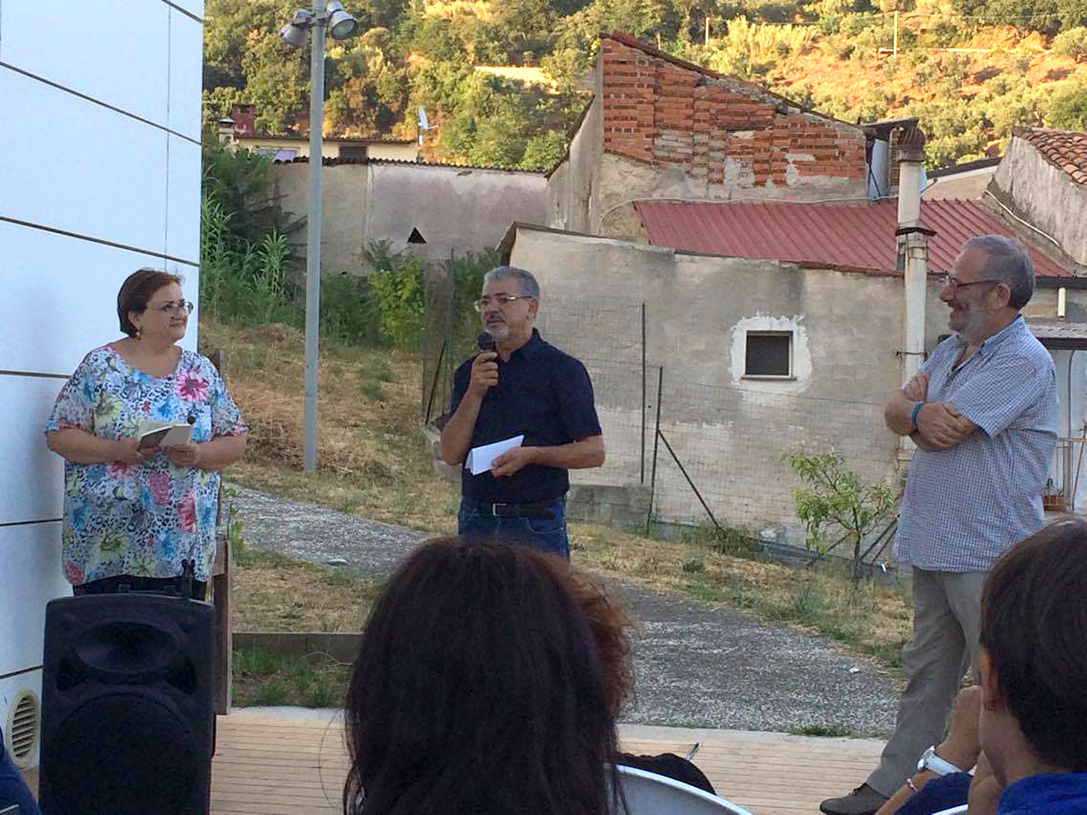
(251, 276)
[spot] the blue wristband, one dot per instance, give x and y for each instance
(913, 414)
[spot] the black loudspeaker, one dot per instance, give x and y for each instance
(127, 716)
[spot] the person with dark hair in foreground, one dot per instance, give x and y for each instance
(1033, 661)
(481, 686)
(13, 789)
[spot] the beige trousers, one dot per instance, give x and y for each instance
(946, 625)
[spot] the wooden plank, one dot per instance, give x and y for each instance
(290, 767)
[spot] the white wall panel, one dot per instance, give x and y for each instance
(64, 291)
(31, 555)
(183, 207)
(10, 688)
(186, 69)
(32, 475)
(77, 166)
(110, 50)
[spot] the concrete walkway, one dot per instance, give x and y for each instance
(696, 666)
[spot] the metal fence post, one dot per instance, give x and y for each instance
(656, 437)
(643, 395)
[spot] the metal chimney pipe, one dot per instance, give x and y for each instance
(912, 249)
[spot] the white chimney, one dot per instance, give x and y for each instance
(912, 248)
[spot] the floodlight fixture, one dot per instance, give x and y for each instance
(294, 32)
(341, 25)
(293, 35)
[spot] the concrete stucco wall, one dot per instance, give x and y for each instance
(730, 432)
(393, 152)
(343, 206)
(571, 188)
(1044, 195)
(454, 208)
(623, 180)
(965, 187)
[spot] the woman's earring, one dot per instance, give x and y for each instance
(139, 333)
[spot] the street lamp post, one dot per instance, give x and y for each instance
(340, 24)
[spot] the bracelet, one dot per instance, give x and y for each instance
(910, 784)
(913, 414)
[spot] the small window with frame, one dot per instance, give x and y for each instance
(768, 355)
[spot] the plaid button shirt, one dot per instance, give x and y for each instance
(963, 507)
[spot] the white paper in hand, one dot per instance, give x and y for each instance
(481, 458)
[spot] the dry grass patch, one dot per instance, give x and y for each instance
(374, 463)
(372, 460)
(274, 593)
(874, 620)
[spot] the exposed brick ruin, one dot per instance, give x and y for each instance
(663, 111)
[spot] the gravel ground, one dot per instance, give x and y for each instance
(696, 666)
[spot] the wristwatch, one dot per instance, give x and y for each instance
(933, 763)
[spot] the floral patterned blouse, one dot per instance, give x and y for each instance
(140, 519)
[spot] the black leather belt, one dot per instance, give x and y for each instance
(539, 509)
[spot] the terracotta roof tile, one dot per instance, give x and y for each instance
(1064, 149)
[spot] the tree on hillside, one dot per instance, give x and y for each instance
(1025, 15)
(367, 92)
(228, 26)
(1068, 106)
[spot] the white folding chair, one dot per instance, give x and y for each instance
(961, 808)
(647, 793)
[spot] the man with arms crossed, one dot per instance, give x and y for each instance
(525, 386)
(983, 412)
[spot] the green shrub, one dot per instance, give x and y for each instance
(396, 279)
(1072, 43)
(349, 310)
(1067, 108)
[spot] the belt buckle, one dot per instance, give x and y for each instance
(499, 510)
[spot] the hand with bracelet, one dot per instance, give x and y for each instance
(957, 753)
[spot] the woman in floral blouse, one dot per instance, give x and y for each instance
(136, 517)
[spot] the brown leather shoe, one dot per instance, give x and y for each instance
(862, 801)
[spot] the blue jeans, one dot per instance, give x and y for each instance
(476, 522)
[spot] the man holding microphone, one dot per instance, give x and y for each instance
(527, 387)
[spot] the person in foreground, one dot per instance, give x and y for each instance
(482, 687)
(527, 387)
(135, 518)
(1033, 663)
(944, 783)
(13, 789)
(983, 412)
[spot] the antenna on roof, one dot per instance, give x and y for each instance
(424, 125)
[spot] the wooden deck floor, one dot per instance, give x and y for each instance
(291, 767)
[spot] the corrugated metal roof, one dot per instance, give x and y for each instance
(1053, 332)
(848, 236)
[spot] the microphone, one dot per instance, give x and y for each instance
(485, 341)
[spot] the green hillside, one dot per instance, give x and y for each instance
(970, 69)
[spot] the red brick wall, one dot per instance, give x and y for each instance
(665, 114)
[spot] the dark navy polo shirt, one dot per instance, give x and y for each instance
(542, 393)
